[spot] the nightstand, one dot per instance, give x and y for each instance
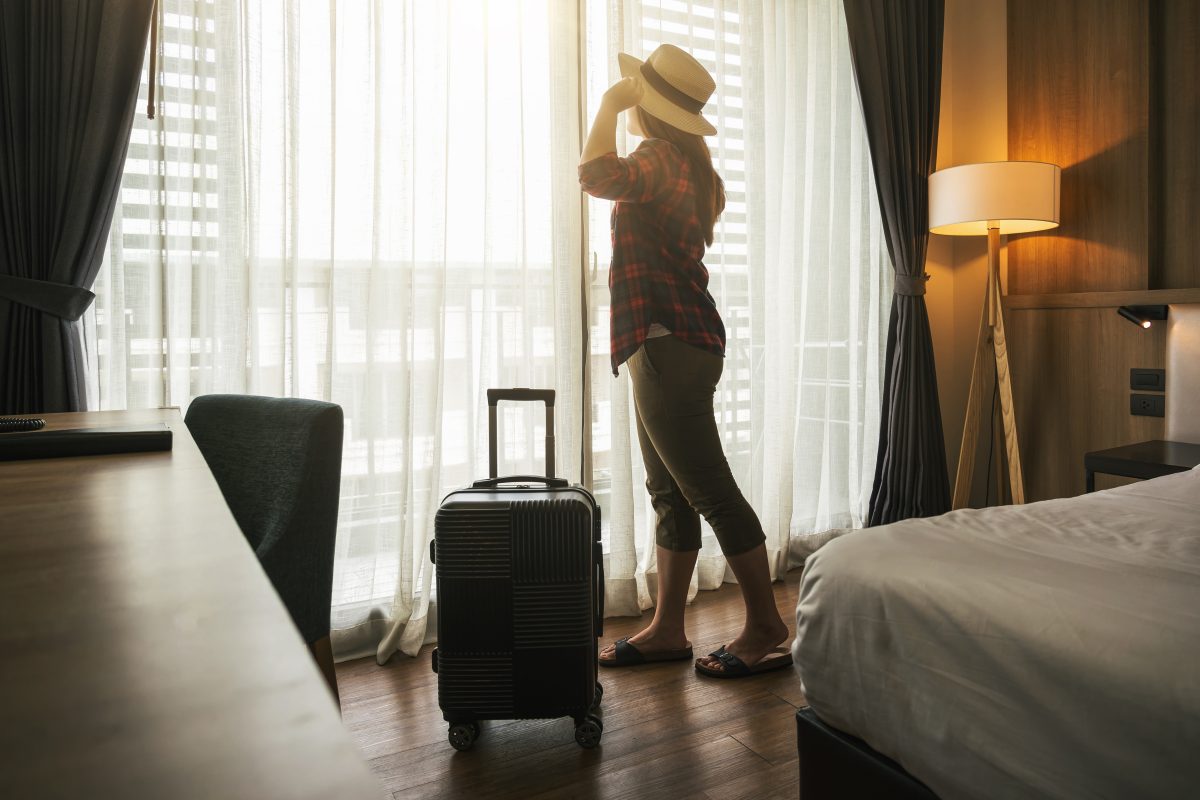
(1142, 460)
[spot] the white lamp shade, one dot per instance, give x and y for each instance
(1015, 196)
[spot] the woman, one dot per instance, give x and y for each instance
(666, 328)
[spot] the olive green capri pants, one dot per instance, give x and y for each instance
(687, 474)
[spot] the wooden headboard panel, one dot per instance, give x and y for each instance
(1183, 373)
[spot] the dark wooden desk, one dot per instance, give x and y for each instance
(1151, 459)
(143, 652)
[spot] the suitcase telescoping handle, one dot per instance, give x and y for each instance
(492, 483)
(546, 396)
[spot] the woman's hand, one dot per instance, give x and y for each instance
(625, 93)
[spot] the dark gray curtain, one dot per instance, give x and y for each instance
(896, 48)
(69, 75)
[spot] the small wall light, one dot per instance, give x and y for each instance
(1142, 316)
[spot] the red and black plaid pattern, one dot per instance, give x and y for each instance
(656, 273)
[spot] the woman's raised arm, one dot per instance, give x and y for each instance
(625, 93)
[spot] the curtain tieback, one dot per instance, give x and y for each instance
(59, 299)
(910, 285)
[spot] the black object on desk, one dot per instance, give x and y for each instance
(1151, 459)
(16, 424)
(84, 442)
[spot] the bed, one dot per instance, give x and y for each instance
(1045, 650)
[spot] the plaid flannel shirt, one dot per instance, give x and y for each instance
(656, 273)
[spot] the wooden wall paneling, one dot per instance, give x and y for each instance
(1147, 297)
(1110, 91)
(1175, 144)
(1071, 389)
(1078, 80)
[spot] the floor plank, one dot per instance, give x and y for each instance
(668, 732)
(777, 782)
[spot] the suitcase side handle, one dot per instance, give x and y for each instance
(494, 396)
(491, 483)
(598, 550)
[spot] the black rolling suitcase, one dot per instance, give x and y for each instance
(520, 596)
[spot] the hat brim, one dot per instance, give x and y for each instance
(660, 107)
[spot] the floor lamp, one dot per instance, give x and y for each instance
(1000, 197)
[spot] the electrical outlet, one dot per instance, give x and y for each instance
(1146, 405)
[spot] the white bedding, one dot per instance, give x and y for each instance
(1046, 650)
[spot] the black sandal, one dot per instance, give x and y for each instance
(734, 667)
(627, 655)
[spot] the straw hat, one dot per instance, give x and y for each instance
(677, 87)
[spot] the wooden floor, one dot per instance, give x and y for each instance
(668, 732)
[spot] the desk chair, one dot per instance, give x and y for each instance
(278, 463)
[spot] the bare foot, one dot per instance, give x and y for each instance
(650, 640)
(751, 645)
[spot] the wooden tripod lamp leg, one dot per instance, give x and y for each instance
(982, 364)
(991, 351)
(1008, 416)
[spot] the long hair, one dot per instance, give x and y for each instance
(710, 195)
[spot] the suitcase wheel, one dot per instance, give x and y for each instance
(599, 695)
(463, 735)
(587, 733)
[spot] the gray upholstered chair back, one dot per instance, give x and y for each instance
(278, 463)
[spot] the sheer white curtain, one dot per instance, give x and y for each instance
(372, 203)
(375, 203)
(799, 269)
(827, 281)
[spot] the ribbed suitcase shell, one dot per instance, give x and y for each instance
(518, 600)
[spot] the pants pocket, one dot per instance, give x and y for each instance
(652, 354)
(687, 365)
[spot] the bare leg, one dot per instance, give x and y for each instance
(666, 630)
(764, 629)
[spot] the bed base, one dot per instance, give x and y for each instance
(836, 765)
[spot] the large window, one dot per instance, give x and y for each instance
(714, 39)
(376, 204)
(798, 266)
(351, 202)
(165, 235)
